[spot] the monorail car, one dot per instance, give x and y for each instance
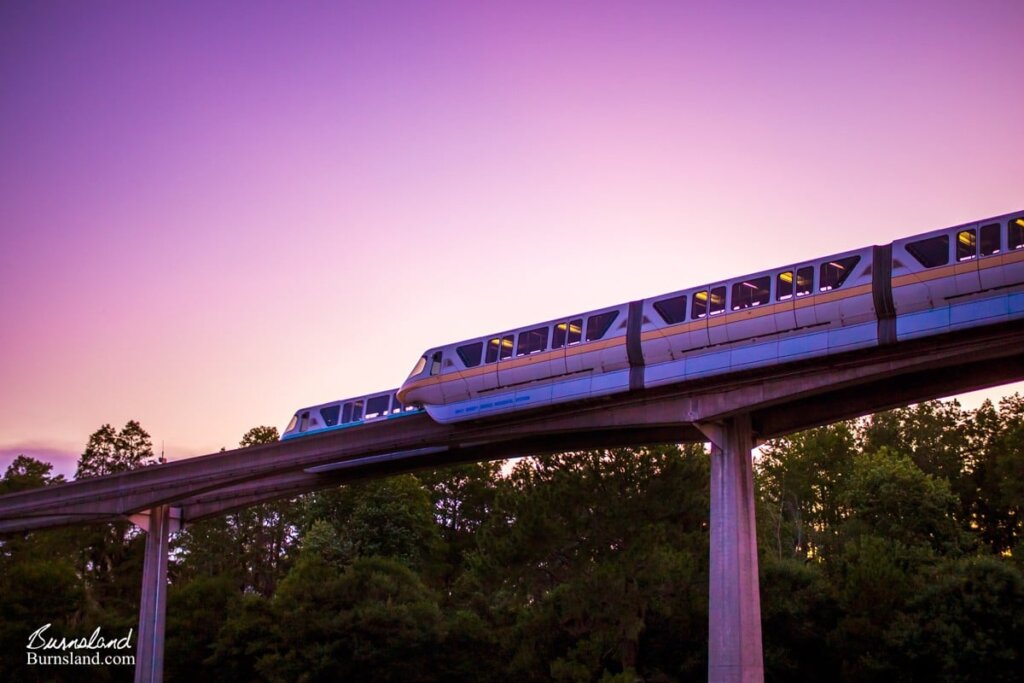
(971, 274)
(349, 412)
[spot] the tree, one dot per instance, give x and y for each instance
(28, 473)
(594, 563)
(110, 451)
(799, 478)
(374, 620)
(998, 475)
(965, 624)
(251, 545)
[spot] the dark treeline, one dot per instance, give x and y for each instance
(890, 547)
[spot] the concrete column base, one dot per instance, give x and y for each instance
(149, 652)
(734, 611)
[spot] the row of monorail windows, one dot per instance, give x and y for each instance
(970, 243)
(562, 334)
(756, 291)
(355, 410)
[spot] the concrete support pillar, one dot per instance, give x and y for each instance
(734, 612)
(149, 652)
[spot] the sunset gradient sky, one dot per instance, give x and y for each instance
(214, 213)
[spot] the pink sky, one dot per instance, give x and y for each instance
(215, 213)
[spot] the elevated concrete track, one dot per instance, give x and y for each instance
(779, 400)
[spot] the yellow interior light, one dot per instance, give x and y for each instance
(967, 238)
(703, 296)
(786, 276)
(840, 266)
(1020, 222)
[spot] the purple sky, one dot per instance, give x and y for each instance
(214, 213)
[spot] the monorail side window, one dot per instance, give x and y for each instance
(396, 405)
(330, 415)
(357, 411)
(598, 324)
(346, 413)
(717, 300)
(834, 273)
(1015, 234)
(930, 252)
(304, 422)
(751, 293)
(532, 341)
(378, 405)
(966, 245)
(435, 363)
(990, 239)
(672, 310)
(804, 280)
(784, 286)
(569, 332)
(506, 347)
(700, 305)
(575, 331)
(470, 354)
(492, 350)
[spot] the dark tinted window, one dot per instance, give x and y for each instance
(470, 354)
(751, 292)
(357, 411)
(717, 300)
(378, 405)
(784, 285)
(569, 332)
(672, 310)
(966, 245)
(804, 280)
(435, 363)
(1015, 233)
(304, 422)
(990, 239)
(575, 331)
(931, 252)
(834, 273)
(492, 350)
(346, 413)
(506, 347)
(330, 415)
(699, 309)
(532, 341)
(598, 324)
(396, 405)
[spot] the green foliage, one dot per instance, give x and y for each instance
(28, 473)
(32, 594)
(891, 549)
(576, 576)
(800, 478)
(372, 621)
(997, 477)
(798, 611)
(110, 451)
(889, 496)
(196, 613)
(251, 546)
(966, 623)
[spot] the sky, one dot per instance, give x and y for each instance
(212, 214)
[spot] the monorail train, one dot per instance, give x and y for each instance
(347, 412)
(968, 275)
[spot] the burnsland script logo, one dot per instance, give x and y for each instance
(44, 649)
